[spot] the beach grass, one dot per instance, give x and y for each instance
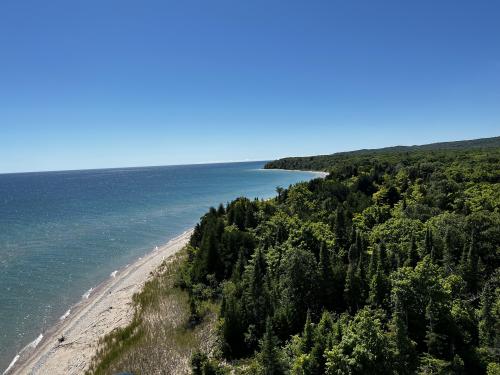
(159, 339)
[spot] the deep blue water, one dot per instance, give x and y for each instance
(62, 233)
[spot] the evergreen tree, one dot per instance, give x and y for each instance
(404, 348)
(208, 259)
(239, 267)
(487, 331)
(433, 255)
(463, 258)
(221, 210)
(379, 285)
(448, 252)
(307, 334)
(256, 294)
(359, 244)
(321, 343)
(232, 328)
(250, 221)
(428, 245)
(353, 235)
(326, 282)
(339, 277)
(361, 276)
(352, 288)
(382, 258)
(268, 357)
(412, 258)
(374, 260)
(434, 340)
(471, 269)
(340, 228)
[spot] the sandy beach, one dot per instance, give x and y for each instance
(107, 307)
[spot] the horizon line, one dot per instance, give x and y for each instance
(136, 167)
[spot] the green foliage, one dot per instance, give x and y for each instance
(202, 365)
(389, 265)
(363, 349)
(268, 359)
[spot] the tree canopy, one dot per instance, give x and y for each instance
(389, 265)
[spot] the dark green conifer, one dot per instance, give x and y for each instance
(434, 340)
(404, 348)
(269, 360)
(221, 210)
(487, 331)
(471, 268)
(448, 252)
(352, 286)
(372, 266)
(428, 245)
(326, 282)
(340, 229)
(308, 334)
(382, 257)
(412, 258)
(322, 339)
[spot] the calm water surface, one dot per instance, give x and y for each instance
(61, 233)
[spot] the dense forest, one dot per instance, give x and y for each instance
(389, 265)
(326, 162)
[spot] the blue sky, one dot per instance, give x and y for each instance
(88, 84)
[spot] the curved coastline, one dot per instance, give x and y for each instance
(320, 174)
(106, 307)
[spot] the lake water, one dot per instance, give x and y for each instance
(62, 233)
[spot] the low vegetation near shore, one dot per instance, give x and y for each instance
(390, 265)
(162, 338)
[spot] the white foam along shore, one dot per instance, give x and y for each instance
(319, 174)
(68, 346)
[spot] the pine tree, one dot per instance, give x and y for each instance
(250, 220)
(359, 244)
(232, 330)
(487, 320)
(382, 256)
(361, 276)
(428, 245)
(412, 258)
(221, 210)
(463, 261)
(257, 292)
(238, 268)
(307, 334)
(471, 268)
(434, 340)
(448, 252)
(322, 339)
(208, 259)
(352, 290)
(340, 228)
(404, 347)
(352, 255)
(327, 282)
(353, 235)
(372, 266)
(269, 356)
(379, 286)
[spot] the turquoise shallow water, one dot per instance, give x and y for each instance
(62, 233)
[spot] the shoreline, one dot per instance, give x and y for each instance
(320, 174)
(102, 309)
(111, 307)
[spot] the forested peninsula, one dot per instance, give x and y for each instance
(389, 265)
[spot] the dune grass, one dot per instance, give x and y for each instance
(159, 340)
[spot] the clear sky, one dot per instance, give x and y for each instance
(104, 83)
